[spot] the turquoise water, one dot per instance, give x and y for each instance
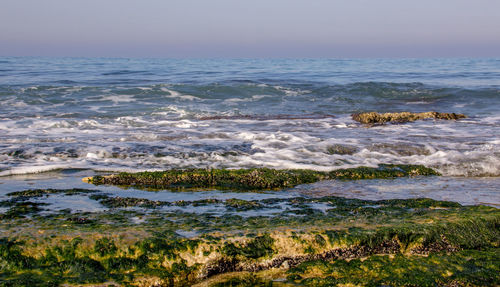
(113, 115)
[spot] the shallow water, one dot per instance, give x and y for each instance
(72, 117)
(464, 190)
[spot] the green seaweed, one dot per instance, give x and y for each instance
(464, 268)
(116, 202)
(240, 204)
(260, 246)
(12, 256)
(54, 248)
(19, 209)
(253, 179)
(30, 193)
(403, 117)
(383, 171)
(105, 246)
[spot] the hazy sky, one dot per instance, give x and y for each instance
(250, 28)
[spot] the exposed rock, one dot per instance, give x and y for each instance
(115, 202)
(352, 239)
(403, 117)
(437, 246)
(224, 265)
(255, 178)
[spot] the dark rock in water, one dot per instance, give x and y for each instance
(341, 149)
(402, 149)
(403, 117)
(240, 204)
(115, 202)
(79, 220)
(20, 209)
(46, 192)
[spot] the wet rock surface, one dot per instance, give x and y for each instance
(130, 247)
(254, 179)
(403, 117)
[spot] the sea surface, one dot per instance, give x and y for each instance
(65, 118)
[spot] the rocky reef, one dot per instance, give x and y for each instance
(417, 242)
(271, 240)
(402, 117)
(255, 178)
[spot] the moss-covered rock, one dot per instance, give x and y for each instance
(253, 179)
(383, 171)
(464, 268)
(403, 117)
(240, 204)
(396, 242)
(258, 247)
(20, 209)
(45, 192)
(116, 202)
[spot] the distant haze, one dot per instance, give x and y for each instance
(250, 28)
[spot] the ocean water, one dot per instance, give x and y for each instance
(102, 114)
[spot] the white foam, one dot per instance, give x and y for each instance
(171, 111)
(185, 124)
(173, 138)
(291, 92)
(491, 120)
(250, 99)
(33, 169)
(178, 95)
(417, 103)
(116, 99)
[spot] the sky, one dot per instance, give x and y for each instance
(250, 28)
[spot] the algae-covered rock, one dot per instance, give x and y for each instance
(20, 209)
(240, 204)
(257, 178)
(452, 269)
(383, 171)
(115, 202)
(45, 192)
(403, 117)
(253, 179)
(412, 242)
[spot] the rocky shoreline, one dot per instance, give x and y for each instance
(303, 241)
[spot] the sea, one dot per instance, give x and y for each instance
(62, 119)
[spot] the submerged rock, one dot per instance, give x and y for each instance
(403, 117)
(116, 202)
(30, 193)
(341, 149)
(402, 149)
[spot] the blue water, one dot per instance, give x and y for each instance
(20, 71)
(103, 114)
